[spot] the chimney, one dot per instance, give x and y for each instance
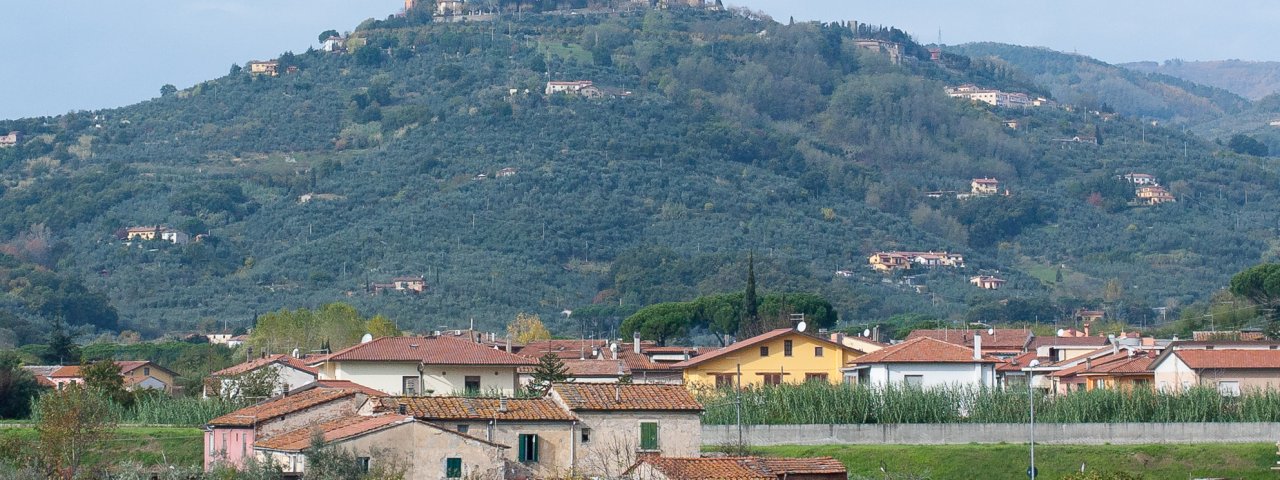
(635, 342)
(402, 409)
(502, 404)
(1086, 329)
(508, 344)
(617, 392)
(977, 347)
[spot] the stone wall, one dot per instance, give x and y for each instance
(961, 433)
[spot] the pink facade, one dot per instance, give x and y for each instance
(230, 445)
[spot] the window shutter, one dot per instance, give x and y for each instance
(453, 468)
(524, 447)
(648, 436)
(533, 445)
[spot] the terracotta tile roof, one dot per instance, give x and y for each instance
(782, 467)
(652, 397)
(726, 468)
(1138, 364)
(923, 350)
(476, 408)
(1016, 364)
(1063, 342)
(595, 368)
(249, 416)
(1004, 338)
(346, 427)
(342, 384)
(431, 350)
(1201, 359)
(749, 342)
(565, 349)
(267, 360)
(126, 366)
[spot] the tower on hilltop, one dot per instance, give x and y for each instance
(408, 5)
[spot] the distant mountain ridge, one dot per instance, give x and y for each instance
(1249, 79)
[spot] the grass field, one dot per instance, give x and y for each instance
(181, 446)
(1007, 461)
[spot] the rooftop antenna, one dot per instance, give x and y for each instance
(368, 337)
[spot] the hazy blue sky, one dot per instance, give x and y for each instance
(62, 55)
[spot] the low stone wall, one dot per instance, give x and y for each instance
(961, 433)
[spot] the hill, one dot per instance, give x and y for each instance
(718, 133)
(1251, 80)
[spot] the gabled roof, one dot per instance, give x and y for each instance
(923, 350)
(1003, 338)
(349, 427)
(1229, 359)
(592, 367)
(740, 468)
(1083, 342)
(126, 366)
(634, 397)
(1139, 363)
(279, 406)
(1017, 363)
(477, 408)
(341, 384)
(750, 342)
(430, 350)
(256, 363)
(783, 467)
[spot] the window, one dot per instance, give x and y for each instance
(586, 435)
(453, 468)
(764, 351)
(1229, 388)
(815, 377)
(146, 371)
(463, 428)
(409, 385)
(362, 464)
(786, 348)
(724, 380)
(649, 436)
(473, 385)
(772, 378)
(817, 351)
(528, 448)
(915, 381)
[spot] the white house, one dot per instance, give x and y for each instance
(925, 362)
(431, 365)
(291, 373)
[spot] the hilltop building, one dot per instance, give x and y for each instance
(157, 232)
(583, 88)
(993, 97)
(11, 139)
(268, 67)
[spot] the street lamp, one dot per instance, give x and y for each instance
(1031, 400)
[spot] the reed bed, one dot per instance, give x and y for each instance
(840, 404)
(164, 410)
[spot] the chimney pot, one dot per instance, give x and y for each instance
(977, 347)
(635, 342)
(502, 404)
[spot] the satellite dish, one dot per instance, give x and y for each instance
(991, 331)
(801, 326)
(295, 353)
(368, 337)
(866, 332)
(1062, 332)
(613, 347)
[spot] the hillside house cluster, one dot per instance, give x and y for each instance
(137, 375)
(978, 187)
(156, 232)
(582, 88)
(996, 98)
(987, 282)
(10, 139)
(898, 260)
(267, 67)
(1149, 191)
(406, 284)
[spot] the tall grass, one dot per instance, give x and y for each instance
(165, 410)
(837, 404)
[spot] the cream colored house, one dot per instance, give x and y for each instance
(617, 424)
(1229, 370)
(430, 365)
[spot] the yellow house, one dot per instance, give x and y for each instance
(779, 356)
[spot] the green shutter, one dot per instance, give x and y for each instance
(453, 468)
(533, 440)
(524, 452)
(528, 447)
(648, 436)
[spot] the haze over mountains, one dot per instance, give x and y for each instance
(431, 149)
(1252, 80)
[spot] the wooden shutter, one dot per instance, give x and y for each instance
(453, 468)
(648, 436)
(524, 447)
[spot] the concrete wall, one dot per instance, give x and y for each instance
(960, 433)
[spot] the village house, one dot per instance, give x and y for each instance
(1087, 317)
(218, 338)
(1057, 349)
(446, 8)
(1141, 179)
(890, 261)
(334, 44)
(156, 232)
(268, 67)
(924, 362)
(736, 468)
(990, 96)
(11, 139)
(506, 172)
(1125, 368)
(137, 375)
(289, 372)
(430, 365)
(779, 356)
(424, 450)
(601, 361)
(984, 186)
(582, 88)
(409, 284)
(1154, 195)
(631, 420)
(230, 439)
(1218, 364)
(987, 282)
(1001, 342)
(858, 342)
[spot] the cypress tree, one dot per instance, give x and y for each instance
(749, 299)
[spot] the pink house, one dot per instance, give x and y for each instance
(229, 439)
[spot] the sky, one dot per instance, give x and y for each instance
(64, 55)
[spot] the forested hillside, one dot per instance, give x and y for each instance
(720, 133)
(1251, 80)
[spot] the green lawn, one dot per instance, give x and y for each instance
(1005, 461)
(148, 445)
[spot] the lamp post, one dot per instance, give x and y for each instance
(1031, 400)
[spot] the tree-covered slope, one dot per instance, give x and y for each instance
(736, 134)
(1251, 80)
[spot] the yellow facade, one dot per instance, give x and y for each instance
(1112, 382)
(803, 364)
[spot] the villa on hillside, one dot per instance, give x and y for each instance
(1154, 195)
(984, 186)
(268, 67)
(897, 260)
(583, 88)
(11, 139)
(989, 96)
(157, 232)
(1141, 179)
(987, 282)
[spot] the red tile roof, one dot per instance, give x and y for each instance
(601, 397)
(783, 467)
(741, 468)
(126, 366)
(342, 384)
(1016, 364)
(1229, 359)
(749, 342)
(1063, 342)
(276, 407)
(1004, 338)
(1137, 364)
(923, 350)
(342, 428)
(595, 368)
(431, 350)
(476, 408)
(256, 363)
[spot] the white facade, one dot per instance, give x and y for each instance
(928, 375)
(390, 377)
(1173, 375)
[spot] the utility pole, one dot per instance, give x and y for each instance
(738, 404)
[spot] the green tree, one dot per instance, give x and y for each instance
(75, 421)
(104, 378)
(750, 316)
(1261, 285)
(527, 327)
(1246, 145)
(167, 90)
(307, 330)
(325, 35)
(380, 326)
(660, 322)
(254, 385)
(62, 349)
(17, 387)
(550, 370)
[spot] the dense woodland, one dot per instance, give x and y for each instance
(739, 134)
